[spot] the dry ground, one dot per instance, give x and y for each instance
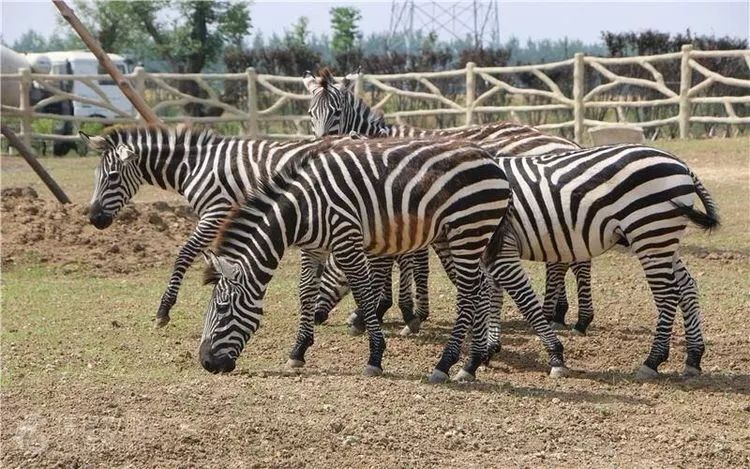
(87, 380)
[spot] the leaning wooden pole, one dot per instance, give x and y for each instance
(140, 105)
(28, 155)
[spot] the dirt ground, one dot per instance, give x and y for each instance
(88, 382)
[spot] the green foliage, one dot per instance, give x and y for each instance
(188, 36)
(300, 33)
(345, 29)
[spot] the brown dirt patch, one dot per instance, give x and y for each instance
(142, 235)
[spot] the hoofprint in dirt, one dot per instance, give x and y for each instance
(87, 380)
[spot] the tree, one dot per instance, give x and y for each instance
(345, 30)
(186, 35)
(346, 37)
(300, 33)
(30, 41)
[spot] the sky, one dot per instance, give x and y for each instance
(522, 19)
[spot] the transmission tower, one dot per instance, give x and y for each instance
(476, 20)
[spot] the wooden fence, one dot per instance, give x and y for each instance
(601, 92)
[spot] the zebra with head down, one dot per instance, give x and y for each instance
(362, 200)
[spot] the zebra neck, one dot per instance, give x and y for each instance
(364, 120)
(168, 167)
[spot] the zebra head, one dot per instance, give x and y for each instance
(329, 101)
(232, 316)
(117, 179)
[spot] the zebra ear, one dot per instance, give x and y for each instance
(222, 265)
(93, 142)
(126, 154)
(309, 81)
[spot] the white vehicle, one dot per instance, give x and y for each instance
(85, 63)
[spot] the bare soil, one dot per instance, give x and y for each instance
(88, 382)
(143, 235)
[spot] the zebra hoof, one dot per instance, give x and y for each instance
(161, 321)
(373, 371)
(405, 332)
(645, 373)
(438, 377)
(559, 372)
(557, 326)
(577, 333)
(464, 376)
(355, 331)
(293, 363)
(351, 318)
(691, 372)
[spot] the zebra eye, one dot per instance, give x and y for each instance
(113, 176)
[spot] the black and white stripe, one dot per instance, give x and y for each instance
(213, 173)
(335, 109)
(575, 206)
(361, 200)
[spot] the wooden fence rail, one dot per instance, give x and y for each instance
(604, 92)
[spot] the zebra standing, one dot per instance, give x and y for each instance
(213, 173)
(360, 199)
(577, 205)
(335, 109)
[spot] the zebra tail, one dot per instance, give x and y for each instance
(495, 245)
(710, 219)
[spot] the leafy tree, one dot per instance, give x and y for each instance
(300, 33)
(30, 41)
(345, 29)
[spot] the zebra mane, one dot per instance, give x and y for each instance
(267, 191)
(183, 134)
(326, 78)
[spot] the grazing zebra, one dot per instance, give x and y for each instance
(335, 109)
(577, 205)
(213, 173)
(360, 199)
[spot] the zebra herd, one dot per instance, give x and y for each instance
(366, 193)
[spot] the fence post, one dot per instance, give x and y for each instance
(578, 91)
(252, 101)
(686, 79)
(470, 90)
(25, 104)
(140, 86)
(359, 84)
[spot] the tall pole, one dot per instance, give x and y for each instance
(140, 105)
(28, 155)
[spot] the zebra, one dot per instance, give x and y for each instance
(362, 200)
(335, 109)
(575, 206)
(213, 173)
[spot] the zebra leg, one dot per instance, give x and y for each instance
(582, 271)
(507, 272)
(469, 284)
(355, 265)
(311, 269)
(554, 290)
(421, 282)
(383, 283)
(405, 299)
(692, 317)
(333, 287)
(660, 276)
(479, 349)
(493, 320)
(199, 239)
(381, 269)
